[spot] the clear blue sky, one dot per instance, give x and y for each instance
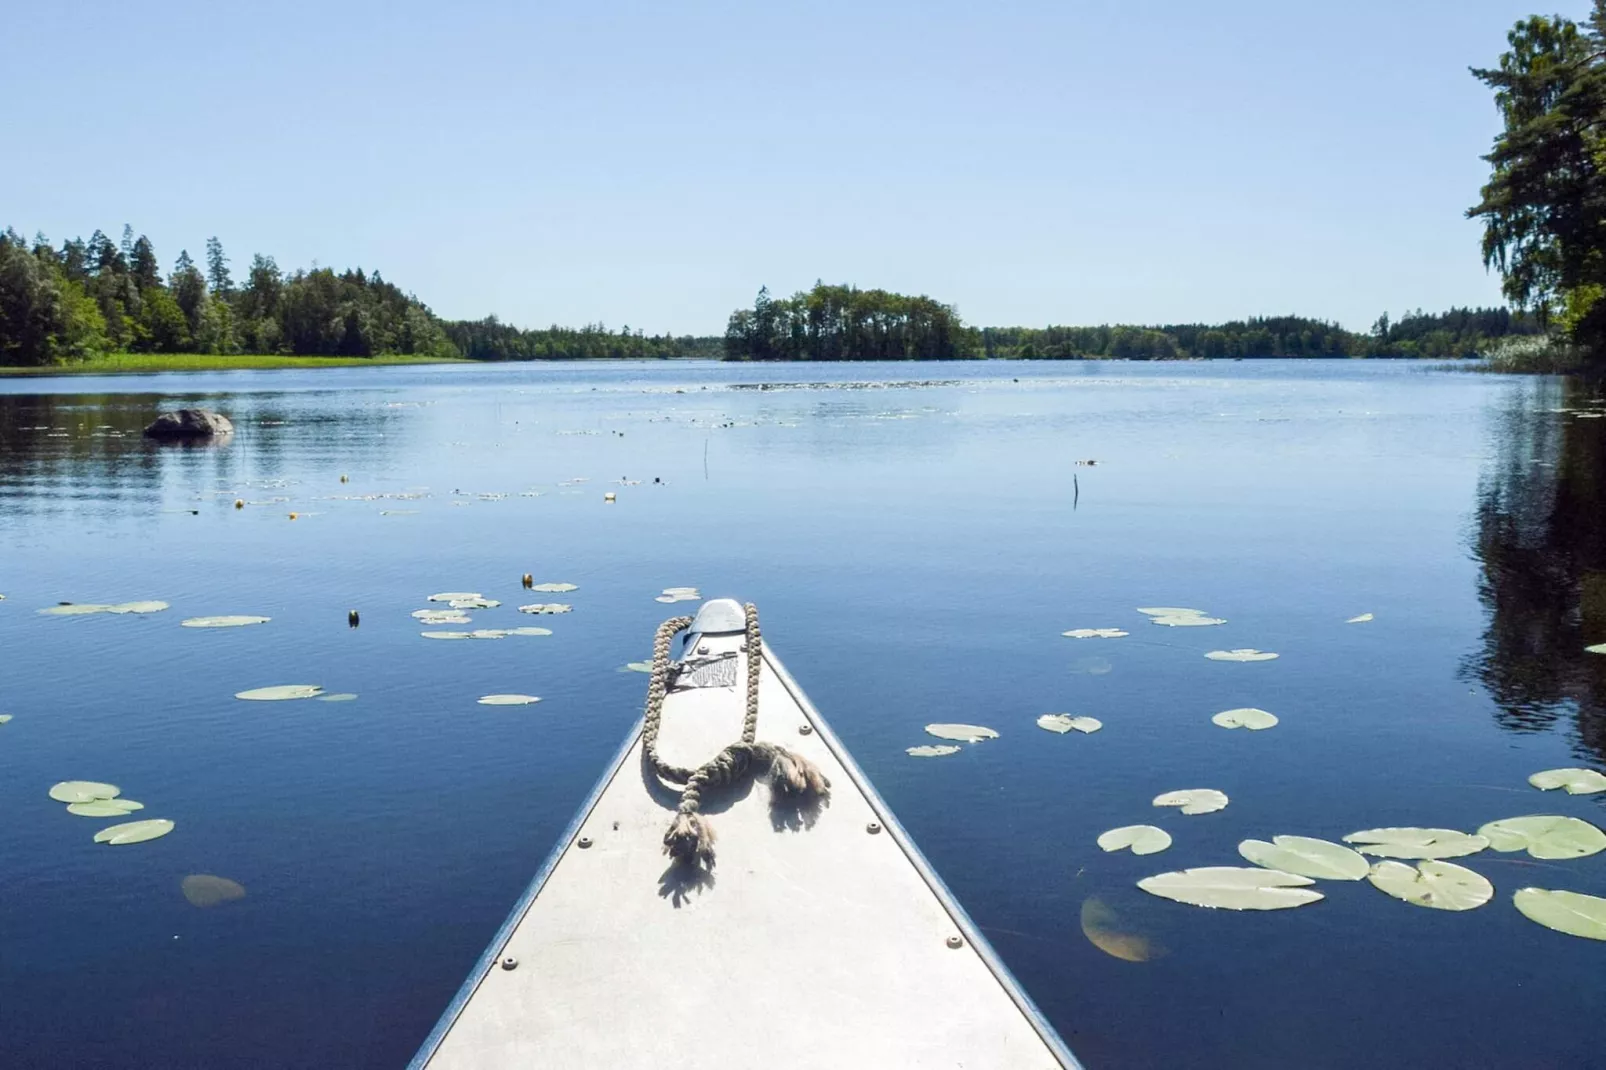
(653, 163)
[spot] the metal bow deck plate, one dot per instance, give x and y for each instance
(820, 940)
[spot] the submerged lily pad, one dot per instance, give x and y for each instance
(134, 831)
(555, 588)
(1091, 666)
(936, 751)
(1576, 781)
(1440, 885)
(1416, 843)
(638, 666)
(1106, 931)
(1174, 617)
(965, 733)
(1364, 618)
(1241, 654)
(1572, 913)
(205, 890)
(1194, 800)
(508, 700)
(105, 807)
(1545, 836)
(1247, 717)
(1064, 722)
(280, 693)
(546, 607)
(222, 622)
(1233, 888)
(82, 791)
(1095, 633)
(454, 596)
(1143, 839)
(1307, 856)
(341, 696)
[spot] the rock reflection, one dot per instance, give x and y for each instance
(1540, 536)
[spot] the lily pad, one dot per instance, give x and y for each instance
(1143, 839)
(138, 607)
(441, 616)
(447, 635)
(1440, 885)
(1095, 633)
(1064, 722)
(1233, 888)
(341, 696)
(679, 594)
(1106, 931)
(1572, 913)
(1306, 856)
(280, 693)
(938, 751)
(1364, 618)
(1241, 654)
(1247, 717)
(1545, 836)
(1416, 843)
(555, 588)
(488, 633)
(205, 890)
(222, 622)
(546, 607)
(5, 718)
(638, 666)
(76, 609)
(508, 700)
(526, 631)
(965, 733)
(1194, 800)
(1174, 617)
(1598, 648)
(82, 791)
(473, 603)
(1576, 781)
(454, 596)
(105, 807)
(134, 831)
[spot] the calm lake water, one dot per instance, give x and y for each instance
(916, 548)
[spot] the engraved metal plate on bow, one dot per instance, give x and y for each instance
(707, 672)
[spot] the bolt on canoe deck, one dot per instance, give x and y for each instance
(820, 939)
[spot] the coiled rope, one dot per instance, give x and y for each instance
(690, 837)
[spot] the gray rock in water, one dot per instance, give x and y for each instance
(189, 424)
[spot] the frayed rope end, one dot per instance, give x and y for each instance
(690, 839)
(794, 774)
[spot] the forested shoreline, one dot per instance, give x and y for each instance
(87, 299)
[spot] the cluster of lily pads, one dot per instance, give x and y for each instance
(460, 603)
(91, 798)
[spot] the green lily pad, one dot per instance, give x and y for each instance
(1440, 885)
(222, 622)
(441, 616)
(1248, 717)
(546, 607)
(965, 733)
(454, 596)
(82, 791)
(508, 700)
(636, 666)
(473, 603)
(1545, 836)
(937, 751)
(1064, 722)
(76, 609)
(280, 693)
(1241, 654)
(526, 631)
(134, 831)
(1174, 617)
(1364, 618)
(1572, 913)
(105, 807)
(1598, 648)
(1306, 856)
(680, 594)
(138, 607)
(205, 890)
(5, 718)
(1416, 843)
(1142, 839)
(1194, 800)
(1576, 781)
(1233, 888)
(1095, 633)
(340, 696)
(555, 588)
(447, 635)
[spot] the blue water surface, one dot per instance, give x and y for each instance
(916, 537)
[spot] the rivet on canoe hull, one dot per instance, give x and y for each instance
(583, 842)
(873, 827)
(805, 729)
(956, 942)
(510, 963)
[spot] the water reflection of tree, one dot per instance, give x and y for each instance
(1541, 539)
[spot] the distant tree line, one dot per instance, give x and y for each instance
(72, 302)
(846, 323)
(490, 339)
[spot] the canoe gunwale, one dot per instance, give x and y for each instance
(967, 928)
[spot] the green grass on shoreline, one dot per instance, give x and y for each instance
(142, 363)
